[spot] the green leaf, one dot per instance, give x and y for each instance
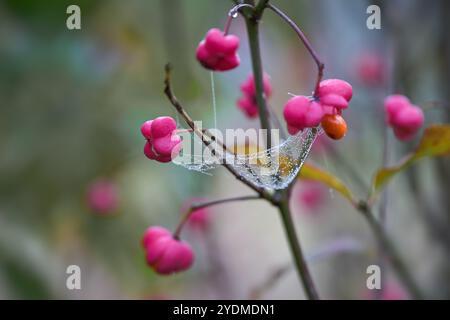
(310, 172)
(435, 142)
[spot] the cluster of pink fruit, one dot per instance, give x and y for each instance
(102, 197)
(165, 253)
(325, 108)
(405, 118)
(163, 144)
(218, 52)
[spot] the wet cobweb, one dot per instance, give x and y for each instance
(272, 168)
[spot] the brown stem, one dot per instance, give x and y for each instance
(227, 26)
(390, 252)
(188, 130)
(201, 205)
(304, 39)
(207, 139)
(336, 247)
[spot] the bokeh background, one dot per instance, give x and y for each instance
(72, 102)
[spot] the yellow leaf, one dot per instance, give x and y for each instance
(310, 172)
(435, 142)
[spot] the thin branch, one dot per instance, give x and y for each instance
(391, 252)
(276, 122)
(304, 39)
(188, 130)
(207, 134)
(207, 138)
(274, 277)
(201, 205)
(233, 14)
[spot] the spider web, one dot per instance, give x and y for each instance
(273, 168)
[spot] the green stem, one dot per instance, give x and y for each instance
(299, 259)
(392, 254)
(259, 9)
(383, 205)
(252, 24)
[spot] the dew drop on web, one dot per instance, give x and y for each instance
(274, 168)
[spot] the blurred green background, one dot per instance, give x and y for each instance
(72, 102)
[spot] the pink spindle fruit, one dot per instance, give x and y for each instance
(102, 196)
(405, 118)
(310, 194)
(371, 68)
(408, 122)
(393, 104)
(335, 86)
(164, 253)
(248, 106)
(218, 52)
(163, 144)
(300, 112)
